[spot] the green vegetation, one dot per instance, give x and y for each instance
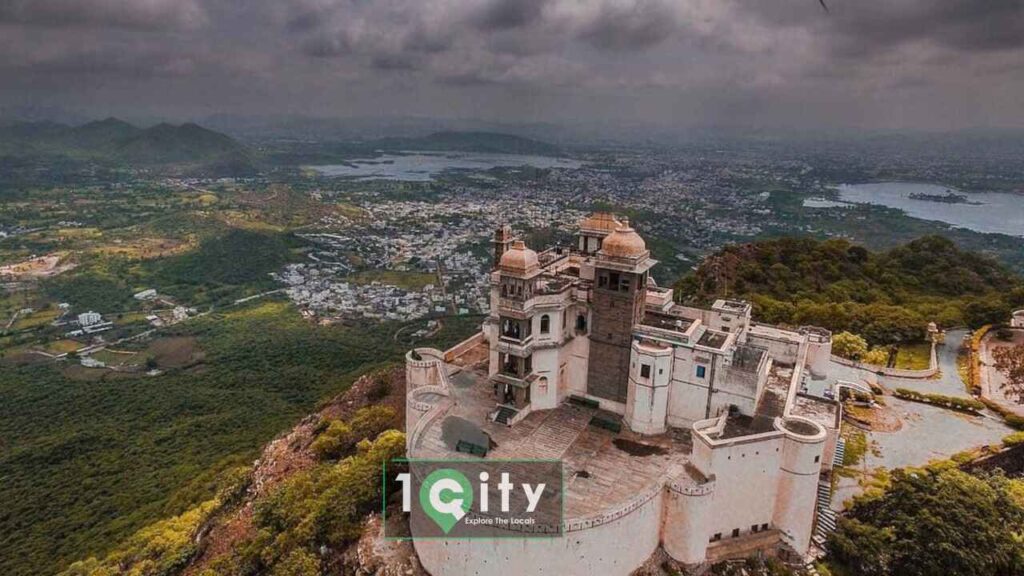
(408, 280)
(887, 297)
(933, 522)
(114, 143)
(914, 356)
(856, 446)
(951, 402)
(85, 464)
(237, 258)
(340, 438)
(1015, 439)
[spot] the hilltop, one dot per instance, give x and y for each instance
(887, 296)
(112, 142)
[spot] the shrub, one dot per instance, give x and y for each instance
(951, 402)
(339, 439)
(1015, 439)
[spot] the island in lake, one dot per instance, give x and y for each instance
(948, 198)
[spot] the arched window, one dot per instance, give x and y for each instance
(581, 323)
(545, 324)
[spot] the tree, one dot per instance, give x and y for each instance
(849, 346)
(1010, 361)
(878, 357)
(934, 522)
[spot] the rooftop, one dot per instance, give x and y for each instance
(603, 469)
(713, 339)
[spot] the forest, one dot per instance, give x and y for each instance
(887, 297)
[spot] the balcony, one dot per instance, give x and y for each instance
(515, 347)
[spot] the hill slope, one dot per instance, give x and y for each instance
(886, 296)
(189, 147)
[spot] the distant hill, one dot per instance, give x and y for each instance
(188, 148)
(492, 142)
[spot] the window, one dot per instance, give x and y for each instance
(645, 370)
(716, 537)
(754, 528)
(581, 323)
(764, 526)
(735, 532)
(545, 324)
(702, 371)
(817, 459)
(613, 279)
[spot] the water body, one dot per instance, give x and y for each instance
(990, 212)
(423, 166)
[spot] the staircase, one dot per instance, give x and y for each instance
(826, 517)
(837, 458)
(505, 414)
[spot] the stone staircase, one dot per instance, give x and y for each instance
(825, 522)
(837, 458)
(505, 414)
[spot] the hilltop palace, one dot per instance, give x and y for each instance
(678, 427)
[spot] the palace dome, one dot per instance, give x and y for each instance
(624, 243)
(600, 222)
(518, 258)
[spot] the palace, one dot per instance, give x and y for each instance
(678, 427)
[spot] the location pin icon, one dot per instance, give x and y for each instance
(446, 496)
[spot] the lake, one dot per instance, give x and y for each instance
(423, 166)
(993, 212)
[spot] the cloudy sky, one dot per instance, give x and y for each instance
(933, 64)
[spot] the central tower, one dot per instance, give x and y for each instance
(620, 288)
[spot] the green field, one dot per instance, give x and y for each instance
(86, 462)
(402, 279)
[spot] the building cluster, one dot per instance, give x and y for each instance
(681, 428)
(412, 239)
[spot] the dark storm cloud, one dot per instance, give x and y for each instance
(867, 27)
(631, 27)
(149, 14)
(504, 14)
(918, 62)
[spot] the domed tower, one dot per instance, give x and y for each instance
(620, 288)
(511, 330)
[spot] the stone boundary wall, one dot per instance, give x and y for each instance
(932, 370)
(460, 348)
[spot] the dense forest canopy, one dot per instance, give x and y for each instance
(887, 297)
(935, 522)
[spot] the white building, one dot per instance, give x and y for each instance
(89, 318)
(147, 294)
(1017, 321)
(679, 427)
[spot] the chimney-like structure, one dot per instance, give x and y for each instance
(502, 241)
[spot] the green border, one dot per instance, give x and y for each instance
(384, 498)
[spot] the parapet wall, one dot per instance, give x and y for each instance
(932, 370)
(614, 548)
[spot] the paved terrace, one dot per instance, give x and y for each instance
(603, 469)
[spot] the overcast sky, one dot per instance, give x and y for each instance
(932, 64)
